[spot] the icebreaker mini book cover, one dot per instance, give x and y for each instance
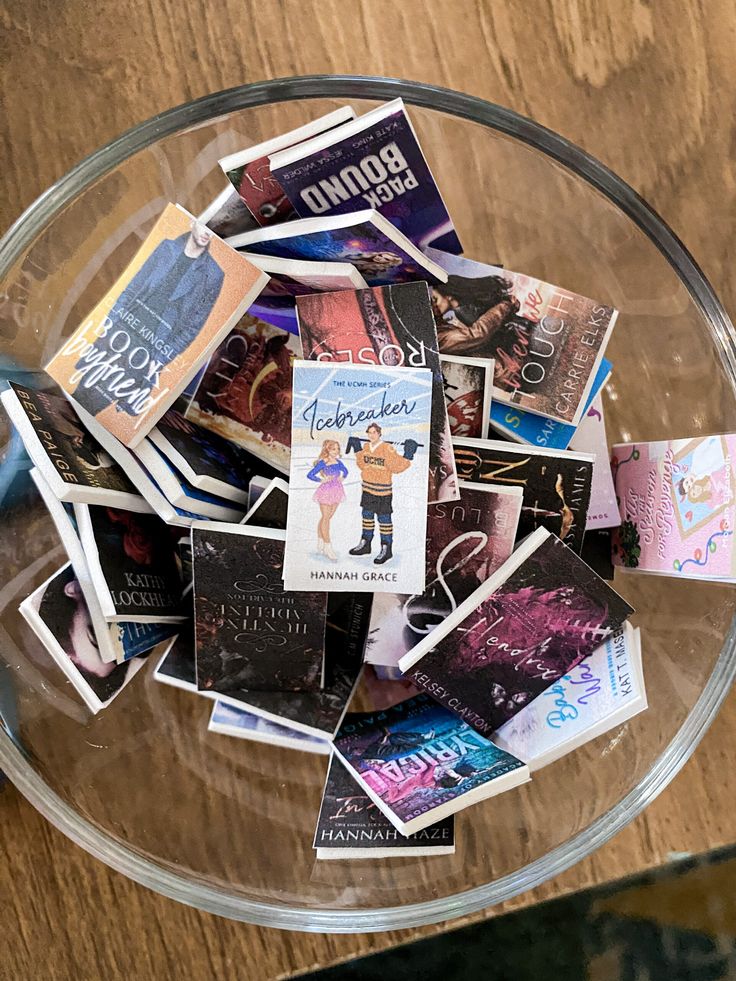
(532, 621)
(144, 341)
(392, 326)
(419, 763)
(358, 485)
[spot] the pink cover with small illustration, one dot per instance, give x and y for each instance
(676, 499)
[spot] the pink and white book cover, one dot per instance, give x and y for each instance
(676, 499)
(590, 437)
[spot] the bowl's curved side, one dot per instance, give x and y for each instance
(167, 881)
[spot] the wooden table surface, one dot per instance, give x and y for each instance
(647, 88)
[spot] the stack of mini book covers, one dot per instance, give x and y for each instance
(269, 457)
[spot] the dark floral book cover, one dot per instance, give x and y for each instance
(467, 540)
(70, 459)
(134, 563)
(418, 762)
(318, 713)
(556, 483)
(389, 326)
(350, 824)
(245, 392)
(547, 342)
(375, 162)
(529, 624)
(250, 632)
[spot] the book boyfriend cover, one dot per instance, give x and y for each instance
(144, 341)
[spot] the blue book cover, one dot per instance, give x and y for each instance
(525, 427)
(371, 162)
(357, 512)
(367, 240)
(418, 762)
(137, 638)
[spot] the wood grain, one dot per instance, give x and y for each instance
(649, 89)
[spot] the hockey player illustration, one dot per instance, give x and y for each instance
(378, 462)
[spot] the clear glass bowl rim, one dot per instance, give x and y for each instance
(189, 890)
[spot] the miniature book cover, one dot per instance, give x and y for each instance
(358, 485)
(227, 720)
(391, 326)
(351, 826)
(179, 492)
(245, 392)
(466, 542)
(270, 510)
(468, 384)
(530, 623)
(419, 763)
(546, 341)
(137, 473)
(603, 691)
(205, 459)
(143, 342)
(367, 240)
(58, 615)
(319, 713)
(250, 631)
(228, 214)
(556, 483)
(133, 562)
(250, 174)
(676, 499)
(293, 277)
(72, 462)
(590, 437)
(177, 667)
(374, 161)
(116, 642)
(525, 427)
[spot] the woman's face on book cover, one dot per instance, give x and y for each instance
(82, 647)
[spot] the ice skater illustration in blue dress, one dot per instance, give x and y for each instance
(329, 472)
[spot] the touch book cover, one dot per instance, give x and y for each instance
(547, 342)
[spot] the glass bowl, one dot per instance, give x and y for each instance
(224, 824)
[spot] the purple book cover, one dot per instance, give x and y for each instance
(510, 641)
(372, 162)
(467, 541)
(417, 757)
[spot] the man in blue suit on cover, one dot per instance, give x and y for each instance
(162, 310)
